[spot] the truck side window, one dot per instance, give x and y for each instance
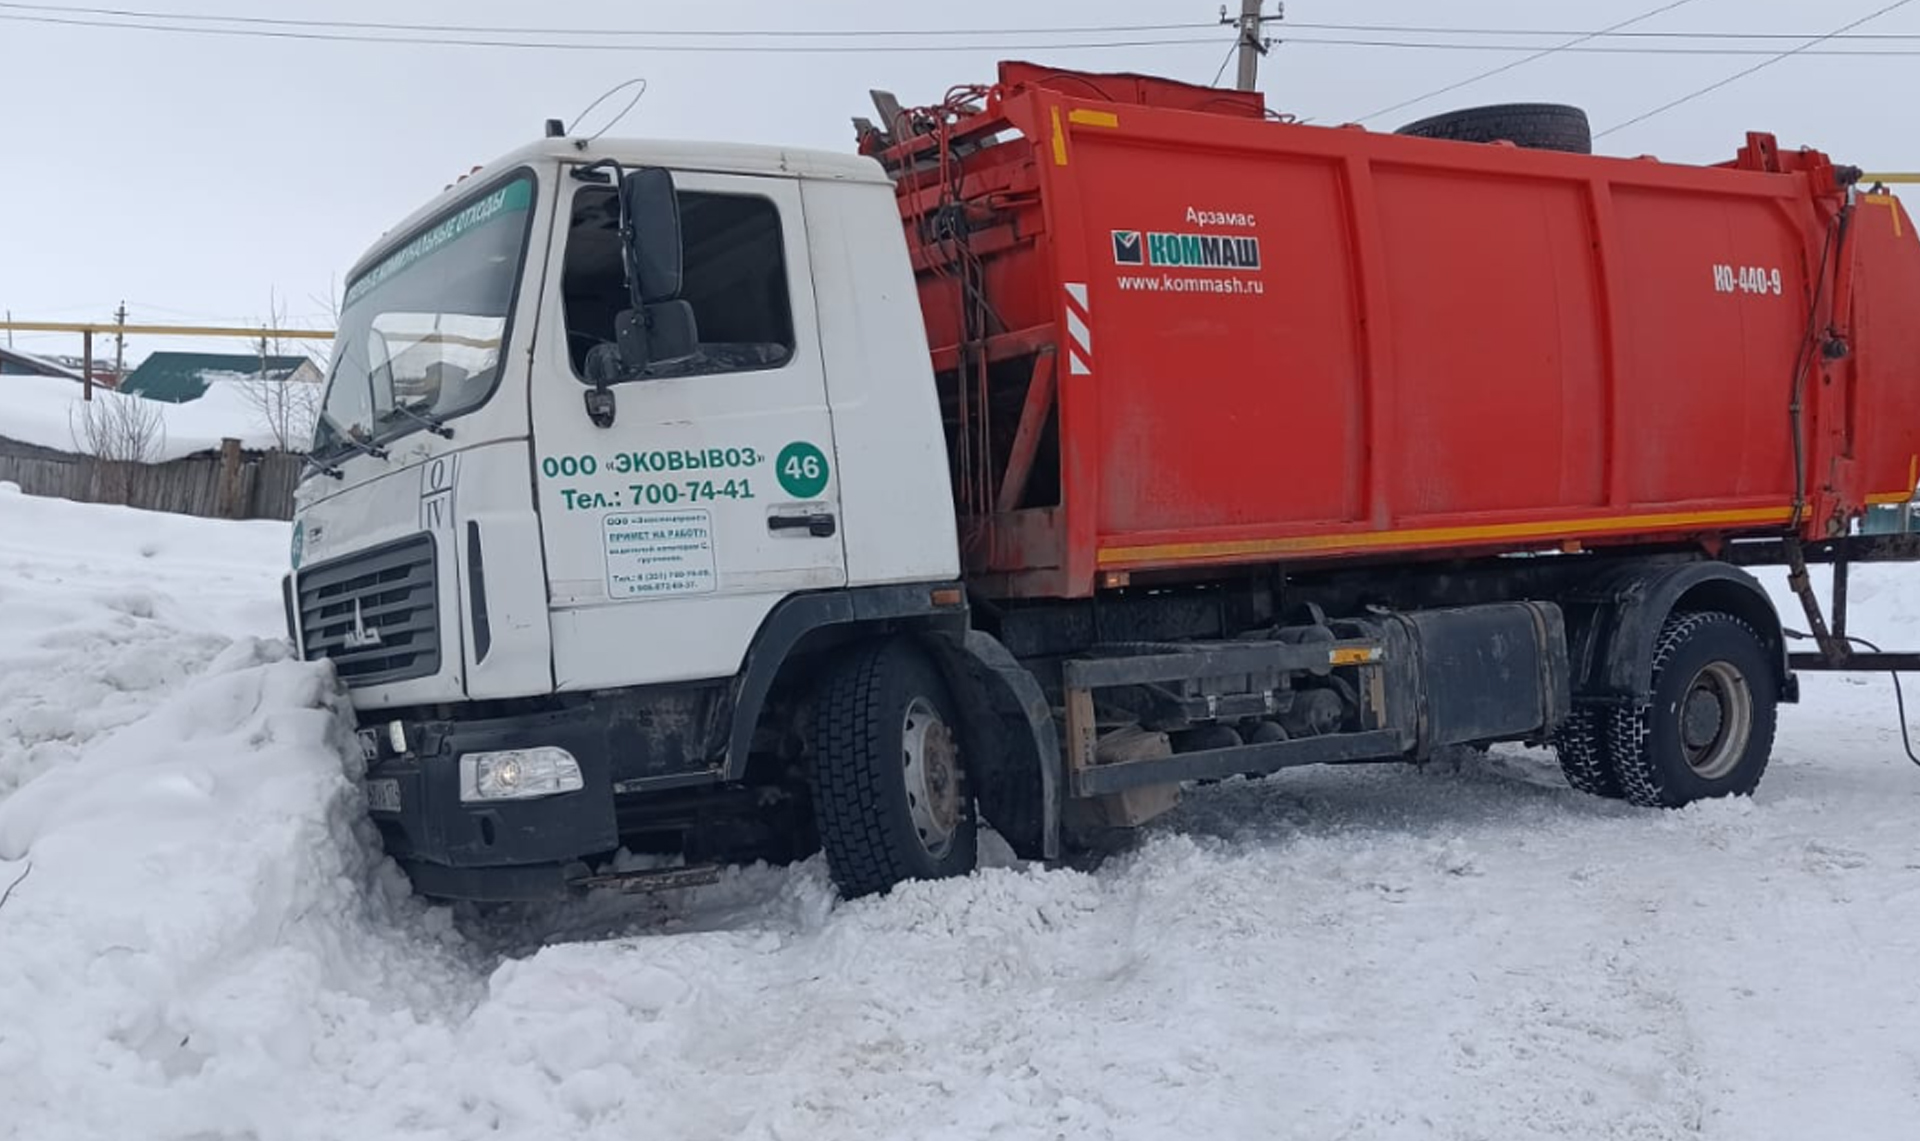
(735, 279)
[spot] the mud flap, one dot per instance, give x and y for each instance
(1012, 745)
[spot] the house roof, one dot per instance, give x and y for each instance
(180, 377)
(39, 366)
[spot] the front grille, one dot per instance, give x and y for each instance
(374, 613)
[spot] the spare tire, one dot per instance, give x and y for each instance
(1536, 126)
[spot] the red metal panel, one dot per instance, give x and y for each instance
(1375, 317)
(1612, 303)
(1886, 333)
(1085, 456)
(1218, 388)
(1709, 362)
(1496, 325)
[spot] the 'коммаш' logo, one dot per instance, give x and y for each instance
(1186, 251)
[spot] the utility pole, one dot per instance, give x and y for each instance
(1253, 45)
(120, 342)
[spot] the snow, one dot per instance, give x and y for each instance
(208, 943)
(46, 412)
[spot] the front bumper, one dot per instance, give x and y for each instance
(511, 849)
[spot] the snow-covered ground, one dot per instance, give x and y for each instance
(49, 412)
(207, 943)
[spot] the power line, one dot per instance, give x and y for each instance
(1427, 45)
(553, 45)
(1233, 49)
(1538, 55)
(262, 27)
(663, 33)
(914, 33)
(1535, 52)
(1742, 74)
(1412, 29)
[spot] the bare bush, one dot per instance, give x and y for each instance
(329, 305)
(285, 409)
(122, 429)
(123, 433)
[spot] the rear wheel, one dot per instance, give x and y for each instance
(890, 794)
(1582, 757)
(1536, 126)
(1708, 729)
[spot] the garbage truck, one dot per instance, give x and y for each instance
(1069, 441)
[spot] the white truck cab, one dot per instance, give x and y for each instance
(515, 537)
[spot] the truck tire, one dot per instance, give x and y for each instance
(889, 790)
(1536, 126)
(1708, 729)
(1583, 758)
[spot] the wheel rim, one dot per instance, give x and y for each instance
(931, 762)
(1716, 720)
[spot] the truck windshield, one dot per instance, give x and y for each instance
(421, 330)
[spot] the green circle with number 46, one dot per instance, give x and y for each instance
(802, 470)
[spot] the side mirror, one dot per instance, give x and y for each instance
(661, 333)
(650, 235)
(672, 335)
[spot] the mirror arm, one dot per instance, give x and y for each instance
(593, 171)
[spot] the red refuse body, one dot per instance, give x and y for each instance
(1173, 333)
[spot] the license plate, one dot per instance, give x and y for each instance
(369, 745)
(383, 795)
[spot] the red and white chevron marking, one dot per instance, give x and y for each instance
(1079, 321)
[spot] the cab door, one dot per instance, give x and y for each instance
(671, 533)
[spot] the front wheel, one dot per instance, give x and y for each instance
(890, 792)
(1708, 729)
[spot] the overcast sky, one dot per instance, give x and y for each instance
(191, 174)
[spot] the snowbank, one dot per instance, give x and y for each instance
(196, 913)
(208, 943)
(102, 609)
(46, 412)
(202, 896)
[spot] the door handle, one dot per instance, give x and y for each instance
(819, 524)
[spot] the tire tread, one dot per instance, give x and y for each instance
(1583, 757)
(865, 845)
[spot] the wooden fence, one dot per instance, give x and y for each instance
(230, 484)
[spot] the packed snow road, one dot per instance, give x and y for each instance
(206, 942)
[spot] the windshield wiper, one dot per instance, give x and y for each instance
(431, 423)
(345, 435)
(325, 468)
(364, 448)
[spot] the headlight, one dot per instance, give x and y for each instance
(518, 774)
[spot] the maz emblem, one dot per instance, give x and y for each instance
(361, 635)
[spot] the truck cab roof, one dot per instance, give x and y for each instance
(674, 154)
